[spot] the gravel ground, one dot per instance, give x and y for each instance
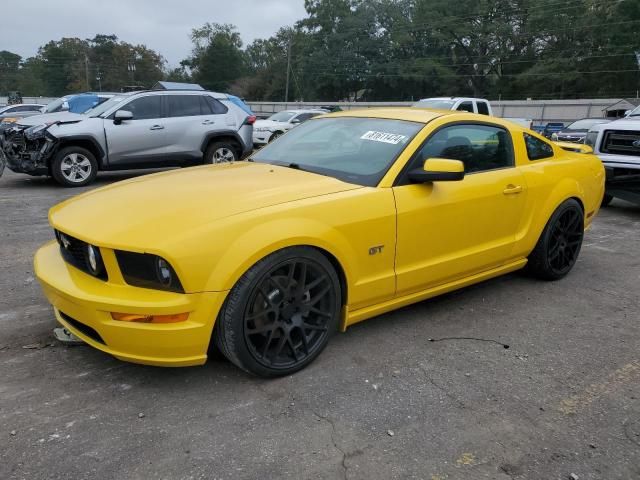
(426, 392)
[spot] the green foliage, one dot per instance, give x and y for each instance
(375, 50)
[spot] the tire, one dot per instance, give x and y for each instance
(74, 167)
(274, 136)
(221, 152)
(558, 247)
(269, 325)
(606, 200)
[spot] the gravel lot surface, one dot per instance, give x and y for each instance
(427, 392)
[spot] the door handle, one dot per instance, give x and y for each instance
(157, 127)
(208, 122)
(511, 189)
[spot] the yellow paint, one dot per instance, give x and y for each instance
(614, 381)
(466, 459)
(213, 223)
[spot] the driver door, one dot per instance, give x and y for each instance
(452, 230)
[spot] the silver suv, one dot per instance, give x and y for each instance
(147, 129)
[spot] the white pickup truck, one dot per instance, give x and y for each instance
(466, 104)
(617, 144)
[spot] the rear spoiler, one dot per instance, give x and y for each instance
(575, 147)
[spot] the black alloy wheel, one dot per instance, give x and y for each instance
(284, 310)
(559, 245)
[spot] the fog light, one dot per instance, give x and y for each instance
(140, 318)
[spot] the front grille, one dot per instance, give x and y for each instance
(621, 142)
(82, 328)
(74, 253)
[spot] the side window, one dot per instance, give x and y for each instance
(483, 108)
(479, 147)
(537, 149)
(216, 106)
(145, 108)
(12, 110)
(303, 117)
(465, 107)
(184, 105)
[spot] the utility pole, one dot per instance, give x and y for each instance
(86, 72)
(286, 91)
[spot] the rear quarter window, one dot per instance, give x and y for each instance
(537, 149)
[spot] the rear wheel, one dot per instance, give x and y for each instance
(220, 152)
(74, 167)
(559, 245)
(606, 200)
(281, 313)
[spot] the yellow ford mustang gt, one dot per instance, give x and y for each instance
(346, 217)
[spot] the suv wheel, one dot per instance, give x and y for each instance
(74, 167)
(220, 152)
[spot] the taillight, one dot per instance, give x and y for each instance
(250, 120)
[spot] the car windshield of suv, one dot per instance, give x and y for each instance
(354, 150)
(435, 104)
(585, 124)
(103, 107)
(281, 116)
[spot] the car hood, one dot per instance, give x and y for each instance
(62, 117)
(148, 211)
(573, 133)
(270, 124)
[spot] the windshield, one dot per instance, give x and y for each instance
(635, 112)
(56, 105)
(103, 107)
(281, 116)
(586, 124)
(354, 150)
(435, 104)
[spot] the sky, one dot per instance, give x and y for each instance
(162, 25)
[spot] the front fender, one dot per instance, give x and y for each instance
(266, 238)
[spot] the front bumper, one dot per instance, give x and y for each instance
(261, 138)
(83, 304)
(620, 161)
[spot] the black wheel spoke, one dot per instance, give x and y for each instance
(268, 342)
(317, 311)
(308, 326)
(316, 298)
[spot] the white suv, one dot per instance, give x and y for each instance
(264, 131)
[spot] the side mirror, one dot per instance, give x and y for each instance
(64, 107)
(627, 112)
(438, 170)
(122, 116)
(295, 121)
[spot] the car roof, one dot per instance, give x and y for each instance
(422, 115)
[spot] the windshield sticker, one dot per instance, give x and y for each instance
(383, 137)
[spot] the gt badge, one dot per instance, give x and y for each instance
(376, 249)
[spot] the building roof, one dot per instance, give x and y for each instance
(624, 104)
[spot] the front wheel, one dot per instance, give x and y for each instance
(281, 313)
(558, 248)
(74, 167)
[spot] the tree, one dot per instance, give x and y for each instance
(217, 59)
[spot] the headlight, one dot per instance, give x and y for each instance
(36, 131)
(591, 139)
(148, 271)
(554, 137)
